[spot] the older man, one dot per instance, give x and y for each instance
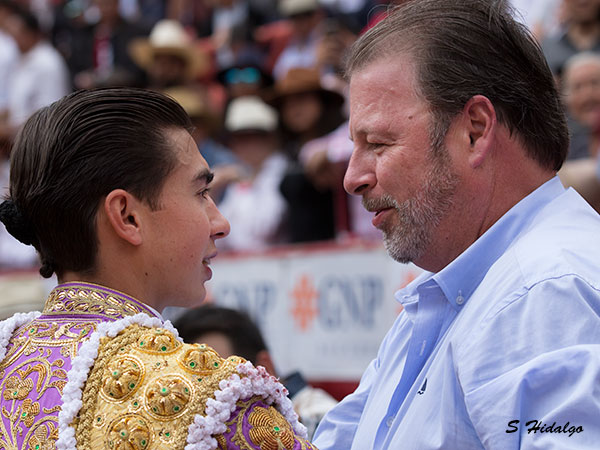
(110, 189)
(458, 133)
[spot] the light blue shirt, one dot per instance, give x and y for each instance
(509, 331)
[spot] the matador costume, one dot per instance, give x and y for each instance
(98, 369)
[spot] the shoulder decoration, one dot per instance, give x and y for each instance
(136, 386)
(80, 368)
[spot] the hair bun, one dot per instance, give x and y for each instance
(16, 224)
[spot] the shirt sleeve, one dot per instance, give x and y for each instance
(531, 371)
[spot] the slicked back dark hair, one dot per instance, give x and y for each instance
(70, 155)
(239, 329)
(463, 48)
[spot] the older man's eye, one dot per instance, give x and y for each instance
(204, 193)
(375, 145)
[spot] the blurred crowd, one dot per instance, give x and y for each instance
(262, 81)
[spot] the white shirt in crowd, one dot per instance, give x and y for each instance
(39, 78)
(255, 209)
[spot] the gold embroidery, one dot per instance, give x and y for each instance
(159, 341)
(270, 430)
(17, 388)
(129, 432)
(167, 398)
(29, 410)
(221, 442)
(88, 299)
(43, 436)
(201, 360)
(123, 376)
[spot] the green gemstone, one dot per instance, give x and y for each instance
(216, 364)
(15, 393)
(99, 419)
(164, 348)
(143, 442)
(167, 434)
(131, 385)
(199, 378)
(192, 364)
(24, 414)
(186, 390)
(276, 428)
(135, 403)
(37, 447)
(154, 409)
(32, 330)
(175, 408)
(141, 343)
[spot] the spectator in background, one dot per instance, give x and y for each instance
(99, 53)
(252, 200)
(307, 111)
(39, 77)
(246, 75)
(9, 54)
(581, 91)
(581, 32)
(306, 17)
(168, 56)
(232, 332)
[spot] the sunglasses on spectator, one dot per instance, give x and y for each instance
(248, 75)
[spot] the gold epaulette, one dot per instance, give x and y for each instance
(145, 389)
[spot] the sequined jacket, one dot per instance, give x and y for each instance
(98, 369)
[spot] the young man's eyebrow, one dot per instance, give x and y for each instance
(205, 175)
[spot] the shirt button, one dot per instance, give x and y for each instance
(389, 421)
(460, 300)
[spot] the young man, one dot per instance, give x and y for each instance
(110, 189)
(458, 132)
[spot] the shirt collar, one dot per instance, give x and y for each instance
(459, 279)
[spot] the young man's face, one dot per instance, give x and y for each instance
(179, 236)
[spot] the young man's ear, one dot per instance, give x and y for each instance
(480, 122)
(122, 211)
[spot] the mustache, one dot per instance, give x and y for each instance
(377, 204)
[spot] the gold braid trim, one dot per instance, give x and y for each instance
(144, 390)
(109, 347)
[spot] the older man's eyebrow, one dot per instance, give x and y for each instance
(205, 176)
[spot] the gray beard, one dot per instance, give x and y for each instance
(408, 237)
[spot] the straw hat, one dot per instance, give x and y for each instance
(293, 7)
(299, 80)
(169, 37)
(195, 103)
(250, 113)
